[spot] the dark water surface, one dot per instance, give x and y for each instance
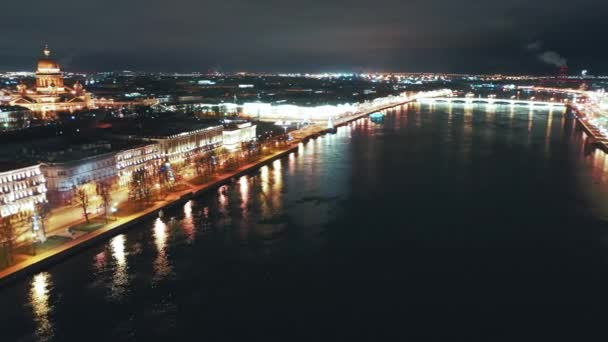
(442, 223)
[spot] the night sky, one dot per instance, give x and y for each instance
(513, 36)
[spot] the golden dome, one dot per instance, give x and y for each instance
(47, 64)
(44, 63)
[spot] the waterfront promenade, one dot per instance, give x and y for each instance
(28, 264)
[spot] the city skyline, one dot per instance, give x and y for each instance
(436, 36)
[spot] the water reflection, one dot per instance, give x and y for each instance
(265, 187)
(188, 223)
(162, 267)
(548, 132)
(244, 192)
(223, 199)
(530, 119)
(39, 298)
(277, 184)
(292, 163)
(120, 280)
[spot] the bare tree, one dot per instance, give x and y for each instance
(42, 210)
(82, 195)
(7, 238)
(140, 186)
(103, 190)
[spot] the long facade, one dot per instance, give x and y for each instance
(57, 180)
(179, 147)
(63, 178)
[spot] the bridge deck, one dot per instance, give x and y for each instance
(468, 100)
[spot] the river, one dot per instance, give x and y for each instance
(444, 222)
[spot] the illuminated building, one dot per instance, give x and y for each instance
(136, 159)
(13, 116)
(50, 93)
(67, 168)
(21, 189)
(179, 147)
(178, 140)
(235, 135)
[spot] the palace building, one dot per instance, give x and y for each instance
(50, 93)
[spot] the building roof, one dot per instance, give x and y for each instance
(159, 128)
(46, 62)
(6, 166)
(63, 150)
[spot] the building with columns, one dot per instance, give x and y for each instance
(50, 92)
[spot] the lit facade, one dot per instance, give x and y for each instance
(64, 176)
(179, 147)
(21, 189)
(234, 137)
(136, 159)
(50, 93)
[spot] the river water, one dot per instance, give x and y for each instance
(441, 223)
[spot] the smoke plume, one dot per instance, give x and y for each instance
(546, 56)
(553, 58)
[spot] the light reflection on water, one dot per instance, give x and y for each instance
(223, 199)
(244, 192)
(120, 279)
(39, 298)
(162, 266)
(188, 223)
(277, 185)
(265, 191)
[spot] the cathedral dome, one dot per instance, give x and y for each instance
(44, 63)
(47, 64)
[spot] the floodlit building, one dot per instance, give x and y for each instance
(235, 135)
(21, 189)
(66, 166)
(50, 93)
(178, 139)
(136, 159)
(178, 147)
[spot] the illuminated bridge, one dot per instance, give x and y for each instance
(491, 101)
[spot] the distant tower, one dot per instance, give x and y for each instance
(563, 72)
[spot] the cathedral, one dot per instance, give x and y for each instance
(50, 93)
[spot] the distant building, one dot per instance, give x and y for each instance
(21, 188)
(12, 117)
(235, 135)
(50, 93)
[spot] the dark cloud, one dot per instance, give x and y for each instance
(313, 35)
